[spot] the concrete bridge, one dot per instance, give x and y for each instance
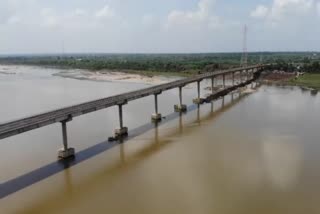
(246, 75)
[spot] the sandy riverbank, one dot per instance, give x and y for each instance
(114, 76)
(103, 75)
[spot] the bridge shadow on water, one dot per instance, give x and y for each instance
(14, 185)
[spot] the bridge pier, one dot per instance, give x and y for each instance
(156, 116)
(122, 131)
(181, 107)
(224, 80)
(65, 152)
(198, 100)
(232, 78)
(212, 85)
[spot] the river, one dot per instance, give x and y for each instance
(246, 153)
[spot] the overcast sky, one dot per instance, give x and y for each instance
(157, 26)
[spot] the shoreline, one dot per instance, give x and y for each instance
(150, 73)
(307, 81)
(114, 76)
(102, 75)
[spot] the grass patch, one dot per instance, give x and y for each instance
(307, 80)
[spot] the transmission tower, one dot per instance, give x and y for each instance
(244, 58)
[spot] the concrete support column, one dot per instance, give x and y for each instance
(156, 103)
(198, 100)
(181, 107)
(122, 131)
(212, 85)
(64, 135)
(156, 116)
(65, 152)
(224, 80)
(180, 96)
(232, 78)
(120, 116)
(240, 76)
(198, 87)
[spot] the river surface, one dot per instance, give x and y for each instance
(246, 153)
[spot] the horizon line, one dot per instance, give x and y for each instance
(144, 53)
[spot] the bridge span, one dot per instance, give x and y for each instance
(64, 115)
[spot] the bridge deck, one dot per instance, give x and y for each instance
(33, 122)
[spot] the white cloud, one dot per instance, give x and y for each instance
(10, 8)
(49, 17)
(6, 11)
(105, 12)
(260, 12)
(284, 9)
(120, 27)
(202, 16)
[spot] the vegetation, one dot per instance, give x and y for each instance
(311, 80)
(182, 64)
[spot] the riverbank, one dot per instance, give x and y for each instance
(83, 74)
(116, 76)
(147, 73)
(306, 81)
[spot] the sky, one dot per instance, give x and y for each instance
(157, 26)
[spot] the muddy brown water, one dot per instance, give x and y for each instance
(257, 153)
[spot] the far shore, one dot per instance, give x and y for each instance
(115, 76)
(307, 81)
(102, 75)
(148, 73)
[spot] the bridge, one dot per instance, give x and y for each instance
(65, 115)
